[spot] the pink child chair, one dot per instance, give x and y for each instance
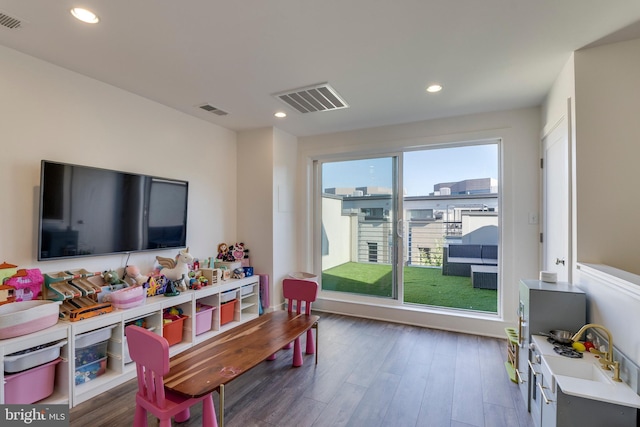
(151, 353)
(299, 295)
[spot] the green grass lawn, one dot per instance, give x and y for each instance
(426, 286)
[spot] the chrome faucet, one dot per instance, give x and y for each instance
(608, 363)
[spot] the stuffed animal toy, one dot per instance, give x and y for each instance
(178, 269)
(238, 251)
(222, 251)
(133, 274)
(111, 277)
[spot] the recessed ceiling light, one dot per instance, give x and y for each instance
(85, 15)
(280, 114)
(434, 88)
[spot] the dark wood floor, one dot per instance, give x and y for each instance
(369, 374)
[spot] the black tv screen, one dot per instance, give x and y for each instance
(87, 211)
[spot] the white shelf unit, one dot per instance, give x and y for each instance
(118, 371)
(58, 332)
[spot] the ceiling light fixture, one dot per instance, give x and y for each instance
(85, 15)
(434, 88)
(280, 114)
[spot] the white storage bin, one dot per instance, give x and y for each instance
(94, 337)
(32, 357)
(246, 290)
(24, 317)
(227, 296)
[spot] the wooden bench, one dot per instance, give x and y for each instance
(210, 365)
(484, 276)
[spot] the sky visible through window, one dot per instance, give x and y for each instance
(422, 169)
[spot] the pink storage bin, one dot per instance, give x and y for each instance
(32, 385)
(204, 315)
(128, 297)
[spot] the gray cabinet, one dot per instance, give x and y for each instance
(543, 307)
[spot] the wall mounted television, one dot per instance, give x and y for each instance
(88, 211)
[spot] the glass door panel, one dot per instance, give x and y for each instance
(359, 226)
(451, 225)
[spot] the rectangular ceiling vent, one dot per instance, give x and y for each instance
(9, 21)
(214, 110)
(319, 97)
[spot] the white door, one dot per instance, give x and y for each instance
(557, 202)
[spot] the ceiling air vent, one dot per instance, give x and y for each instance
(320, 97)
(9, 21)
(214, 110)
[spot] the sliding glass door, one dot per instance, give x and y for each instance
(358, 234)
(435, 243)
(451, 224)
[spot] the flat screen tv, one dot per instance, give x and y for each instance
(88, 211)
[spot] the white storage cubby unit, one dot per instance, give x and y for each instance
(111, 327)
(55, 334)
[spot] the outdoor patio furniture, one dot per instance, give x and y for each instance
(484, 276)
(457, 259)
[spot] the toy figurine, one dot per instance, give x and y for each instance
(238, 251)
(238, 273)
(111, 277)
(222, 251)
(135, 278)
(176, 270)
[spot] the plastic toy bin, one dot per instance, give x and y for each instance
(128, 297)
(32, 385)
(172, 331)
(227, 311)
(90, 371)
(204, 314)
(32, 357)
(91, 353)
(92, 346)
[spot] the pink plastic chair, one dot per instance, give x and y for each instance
(151, 353)
(299, 295)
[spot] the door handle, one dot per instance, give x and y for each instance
(559, 261)
(544, 396)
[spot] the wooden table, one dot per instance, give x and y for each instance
(211, 364)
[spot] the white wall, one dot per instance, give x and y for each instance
(266, 203)
(51, 113)
(519, 132)
(608, 149)
(600, 88)
(284, 219)
(255, 198)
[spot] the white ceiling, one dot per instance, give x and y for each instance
(379, 55)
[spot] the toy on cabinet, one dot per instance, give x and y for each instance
(27, 284)
(79, 291)
(155, 285)
(178, 269)
(112, 277)
(241, 253)
(238, 273)
(7, 292)
(238, 251)
(222, 251)
(132, 272)
(7, 270)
